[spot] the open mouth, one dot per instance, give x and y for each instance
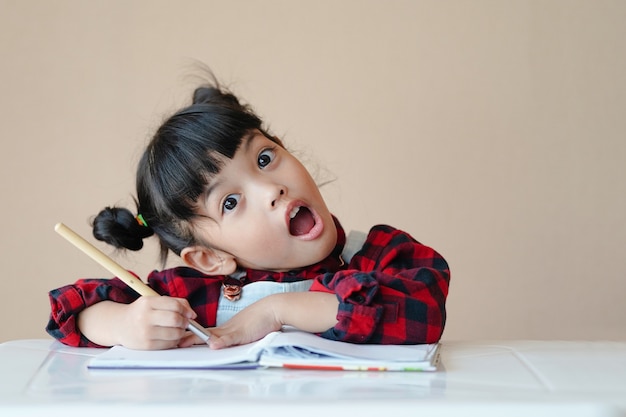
(301, 221)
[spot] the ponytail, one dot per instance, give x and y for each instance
(120, 228)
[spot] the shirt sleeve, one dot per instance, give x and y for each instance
(393, 292)
(68, 301)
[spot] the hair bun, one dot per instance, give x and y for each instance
(205, 94)
(119, 227)
(210, 94)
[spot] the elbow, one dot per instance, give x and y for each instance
(435, 331)
(430, 329)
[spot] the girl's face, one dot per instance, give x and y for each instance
(265, 211)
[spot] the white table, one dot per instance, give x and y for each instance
(513, 378)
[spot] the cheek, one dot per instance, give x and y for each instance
(297, 171)
(259, 239)
(305, 180)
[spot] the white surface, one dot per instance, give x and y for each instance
(41, 377)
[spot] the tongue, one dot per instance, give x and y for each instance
(302, 223)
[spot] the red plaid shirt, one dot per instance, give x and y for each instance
(393, 291)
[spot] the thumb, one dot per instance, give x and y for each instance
(224, 340)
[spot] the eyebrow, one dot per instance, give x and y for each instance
(207, 192)
(246, 141)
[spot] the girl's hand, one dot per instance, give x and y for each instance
(147, 323)
(309, 311)
(249, 325)
(155, 322)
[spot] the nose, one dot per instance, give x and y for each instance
(278, 193)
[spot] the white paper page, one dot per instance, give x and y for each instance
(429, 364)
(199, 356)
(389, 353)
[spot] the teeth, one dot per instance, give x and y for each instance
(294, 211)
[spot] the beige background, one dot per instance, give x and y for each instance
(493, 131)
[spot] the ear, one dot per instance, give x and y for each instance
(209, 261)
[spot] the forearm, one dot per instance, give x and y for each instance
(311, 311)
(100, 322)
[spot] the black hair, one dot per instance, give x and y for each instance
(174, 170)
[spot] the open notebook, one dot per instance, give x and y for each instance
(287, 349)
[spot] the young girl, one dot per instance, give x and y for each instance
(263, 249)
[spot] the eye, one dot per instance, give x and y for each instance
(266, 157)
(230, 202)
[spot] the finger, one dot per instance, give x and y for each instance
(190, 339)
(218, 343)
(168, 319)
(223, 341)
(187, 310)
(155, 338)
(176, 305)
(168, 334)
